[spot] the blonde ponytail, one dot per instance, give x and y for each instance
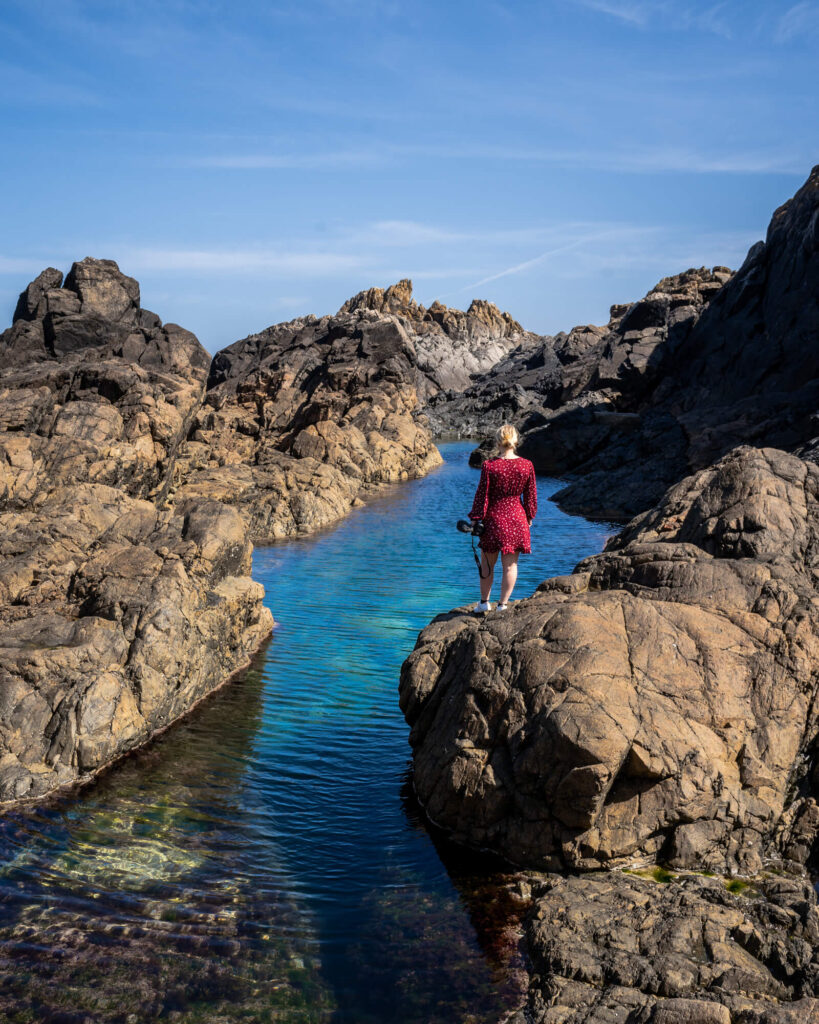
(506, 437)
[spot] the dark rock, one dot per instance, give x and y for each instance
(31, 303)
(614, 367)
(728, 360)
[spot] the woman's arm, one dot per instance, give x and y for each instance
(530, 495)
(481, 502)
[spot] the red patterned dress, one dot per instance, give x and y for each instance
(498, 503)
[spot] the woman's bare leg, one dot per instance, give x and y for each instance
(488, 559)
(510, 575)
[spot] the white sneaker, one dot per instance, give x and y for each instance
(501, 607)
(482, 606)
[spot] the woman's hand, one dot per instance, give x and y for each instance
(529, 523)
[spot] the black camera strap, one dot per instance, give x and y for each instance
(478, 560)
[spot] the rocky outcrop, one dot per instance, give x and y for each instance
(615, 366)
(117, 611)
(705, 361)
(451, 346)
(659, 703)
(678, 950)
(307, 419)
(88, 397)
(655, 707)
(746, 370)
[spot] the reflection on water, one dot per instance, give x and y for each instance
(154, 895)
(264, 861)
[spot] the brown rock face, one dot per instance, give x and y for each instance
(88, 398)
(451, 346)
(658, 703)
(619, 948)
(116, 613)
(306, 419)
(124, 581)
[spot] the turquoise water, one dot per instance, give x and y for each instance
(265, 860)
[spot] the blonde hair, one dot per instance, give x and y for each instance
(506, 437)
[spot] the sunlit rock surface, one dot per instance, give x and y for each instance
(672, 950)
(307, 419)
(117, 611)
(657, 703)
(452, 346)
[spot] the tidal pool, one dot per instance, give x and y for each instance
(264, 860)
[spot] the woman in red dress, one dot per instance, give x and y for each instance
(506, 517)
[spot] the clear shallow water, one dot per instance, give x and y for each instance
(264, 860)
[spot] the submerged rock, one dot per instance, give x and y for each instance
(118, 612)
(659, 703)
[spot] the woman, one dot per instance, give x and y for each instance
(506, 520)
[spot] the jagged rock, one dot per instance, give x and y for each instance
(620, 948)
(395, 299)
(451, 346)
(572, 394)
(658, 703)
(306, 419)
(116, 614)
(743, 368)
(609, 367)
(32, 302)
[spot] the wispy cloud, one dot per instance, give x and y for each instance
(709, 17)
(585, 240)
(634, 159)
(798, 21)
(387, 250)
(634, 13)
(408, 233)
(306, 264)
(330, 160)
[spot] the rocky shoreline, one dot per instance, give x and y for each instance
(136, 471)
(643, 732)
(633, 736)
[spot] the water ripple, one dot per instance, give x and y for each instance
(264, 860)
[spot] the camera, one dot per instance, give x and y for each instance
(469, 526)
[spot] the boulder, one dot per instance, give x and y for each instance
(103, 289)
(658, 704)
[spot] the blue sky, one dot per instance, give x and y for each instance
(252, 161)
